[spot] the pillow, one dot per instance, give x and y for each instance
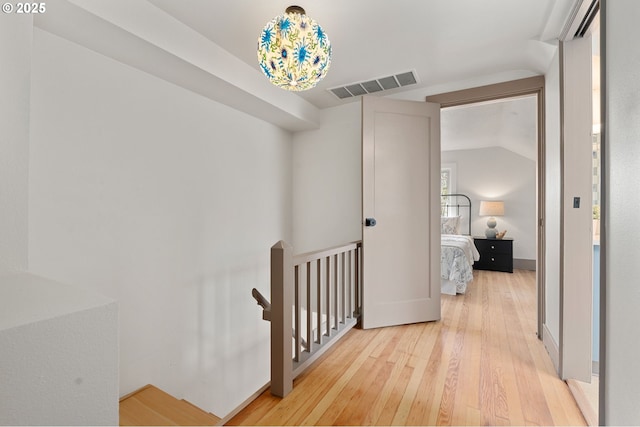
(449, 225)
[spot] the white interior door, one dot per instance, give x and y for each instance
(577, 223)
(400, 190)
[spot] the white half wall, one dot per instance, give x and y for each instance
(499, 174)
(621, 370)
(58, 354)
(327, 189)
(167, 202)
(552, 202)
(16, 32)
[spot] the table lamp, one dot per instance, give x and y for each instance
(491, 208)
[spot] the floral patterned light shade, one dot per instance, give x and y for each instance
(293, 50)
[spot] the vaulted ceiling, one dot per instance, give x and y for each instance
(510, 123)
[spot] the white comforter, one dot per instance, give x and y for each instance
(457, 256)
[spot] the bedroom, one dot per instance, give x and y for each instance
(489, 153)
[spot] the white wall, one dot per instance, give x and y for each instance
(58, 354)
(499, 174)
(327, 189)
(167, 202)
(552, 201)
(335, 147)
(622, 153)
(15, 75)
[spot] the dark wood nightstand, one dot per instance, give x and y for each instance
(495, 254)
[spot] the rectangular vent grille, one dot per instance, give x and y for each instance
(376, 85)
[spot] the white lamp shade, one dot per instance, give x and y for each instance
(491, 208)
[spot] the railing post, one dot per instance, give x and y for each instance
(281, 324)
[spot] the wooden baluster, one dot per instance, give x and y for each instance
(309, 310)
(281, 302)
(335, 291)
(319, 301)
(297, 313)
(328, 311)
(357, 280)
(354, 283)
(343, 295)
(349, 286)
(360, 282)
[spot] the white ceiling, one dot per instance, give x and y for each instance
(442, 40)
(510, 124)
(209, 46)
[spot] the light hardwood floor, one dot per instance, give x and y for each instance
(151, 406)
(482, 364)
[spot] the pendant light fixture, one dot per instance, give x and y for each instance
(294, 52)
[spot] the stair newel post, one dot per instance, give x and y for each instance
(281, 322)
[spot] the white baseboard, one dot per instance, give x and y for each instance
(552, 347)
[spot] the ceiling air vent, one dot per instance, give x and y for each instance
(376, 85)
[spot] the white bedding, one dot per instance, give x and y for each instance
(457, 256)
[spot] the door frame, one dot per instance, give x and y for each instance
(516, 88)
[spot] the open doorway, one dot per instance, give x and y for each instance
(489, 153)
(534, 86)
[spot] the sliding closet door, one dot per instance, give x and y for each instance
(577, 223)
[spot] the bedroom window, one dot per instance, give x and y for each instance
(448, 178)
(447, 185)
(445, 179)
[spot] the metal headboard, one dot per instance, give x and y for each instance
(457, 204)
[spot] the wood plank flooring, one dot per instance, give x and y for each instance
(151, 406)
(482, 364)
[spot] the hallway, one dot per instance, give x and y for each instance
(481, 365)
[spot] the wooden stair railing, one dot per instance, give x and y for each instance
(264, 303)
(317, 310)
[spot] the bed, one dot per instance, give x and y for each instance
(457, 249)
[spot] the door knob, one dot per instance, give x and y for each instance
(370, 222)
